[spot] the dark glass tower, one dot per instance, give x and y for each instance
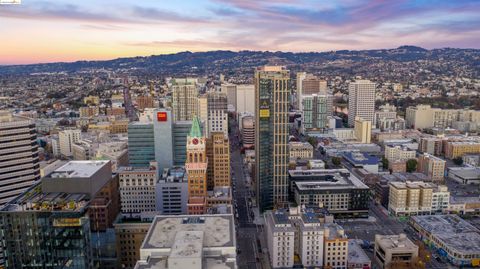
(271, 136)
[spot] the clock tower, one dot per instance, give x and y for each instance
(196, 167)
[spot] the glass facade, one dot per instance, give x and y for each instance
(46, 239)
(272, 101)
(141, 144)
(315, 111)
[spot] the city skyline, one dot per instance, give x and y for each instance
(68, 31)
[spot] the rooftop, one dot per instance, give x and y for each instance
(356, 254)
(398, 242)
(325, 179)
(465, 172)
(360, 158)
(78, 169)
(174, 174)
(218, 230)
(412, 184)
(452, 230)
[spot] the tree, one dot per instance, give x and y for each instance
(313, 141)
(458, 161)
(336, 161)
(411, 165)
(385, 163)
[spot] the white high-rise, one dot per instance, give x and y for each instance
(67, 138)
(361, 101)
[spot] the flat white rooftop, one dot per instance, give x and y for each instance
(78, 169)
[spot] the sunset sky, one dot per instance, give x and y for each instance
(61, 30)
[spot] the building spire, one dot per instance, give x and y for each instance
(196, 130)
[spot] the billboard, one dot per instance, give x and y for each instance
(264, 108)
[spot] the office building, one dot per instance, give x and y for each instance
(271, 136)
(450, 236)
(336, 190)
(141, 144)
(163, 136)
(196, 166)
(59, 214)
(399, 153)
(300, 150)
(19, 165)
(218, 153)
(184, 99)
(66, 140)
(172, 192)
(230, 90)
(217, 113)
(431, 166)
(316, 110)
(248, 131)
(137, 189)
(336, 247)
(363, 130)
(280, 233)
(181, 129)
(185, 241)
(394, 250)
(202, 110)
(361, 101)
(129, 235)
(410, 198)
(300, 76)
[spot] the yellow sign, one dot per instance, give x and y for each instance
(67, 222)
(264, 113)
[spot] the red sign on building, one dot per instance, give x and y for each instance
(161, 116)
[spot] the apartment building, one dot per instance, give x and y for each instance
(361, 101)
(336, 247)
(431, 145)
(424, 116)
(410, 198)
(66, 139)
(184, 99)
(440, 199)
(394, 250)
(454, 149)
(431, 166)
(399, 153)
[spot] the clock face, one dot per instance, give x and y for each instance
(195, 141)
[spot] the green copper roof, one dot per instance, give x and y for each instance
(196, 130)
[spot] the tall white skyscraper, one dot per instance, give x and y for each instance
(19, 167)
(361, 101)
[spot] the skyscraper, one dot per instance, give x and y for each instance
(19, 167)
(272, 93)
(163, 136)
(184, 99)
(141, 144)
(196, 167)
(218, 152)
(361, 101)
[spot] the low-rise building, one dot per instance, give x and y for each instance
(300, 150)
(394, 250)
(440, 199)
(362, 160)
(431, 145)
(453, 237)
(454, 149)
(399, 153)
(465, 175)
(357, 258)
(185, 241)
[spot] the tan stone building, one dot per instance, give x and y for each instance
(218, 152)
(394, 250)
(300, 150)
(363, 130)
(129, 236)
(335, 247)
(431, 166)
(410, 198)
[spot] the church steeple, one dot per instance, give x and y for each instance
(196, 130)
